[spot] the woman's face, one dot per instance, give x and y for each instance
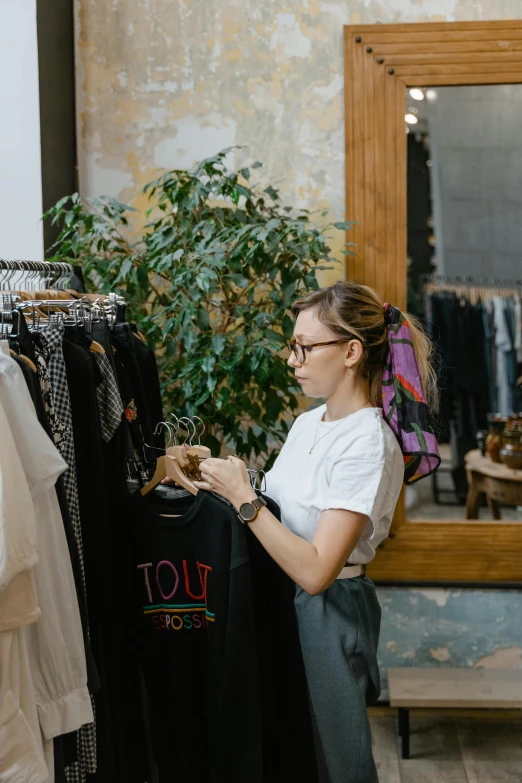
(325, 366)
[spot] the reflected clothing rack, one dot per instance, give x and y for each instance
(476, 325)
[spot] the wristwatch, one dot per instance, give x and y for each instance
(249, 511)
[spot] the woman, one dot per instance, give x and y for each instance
(337, 481)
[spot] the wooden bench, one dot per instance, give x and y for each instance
(411, 688)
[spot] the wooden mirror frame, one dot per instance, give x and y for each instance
(381, 61)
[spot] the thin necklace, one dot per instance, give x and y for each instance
(329, 431)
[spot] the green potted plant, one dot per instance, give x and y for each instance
(209, 279)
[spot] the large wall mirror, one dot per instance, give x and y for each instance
(433, 180)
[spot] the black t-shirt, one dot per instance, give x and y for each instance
(288, 741)
(217, 638)
(196, 639)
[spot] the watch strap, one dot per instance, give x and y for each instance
(257, 503)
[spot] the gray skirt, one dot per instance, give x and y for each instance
(339, 633)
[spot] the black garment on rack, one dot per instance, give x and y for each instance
(288, 741)
(133, 428)
(125, 435)
(101, 469)
(35, 391)
(125, 343)
(512, 364)
(83, 376)
(471, 401)
(199, 660)
(97, 464)
(221, 701)
(122, 751)
(457, 327)
(463, 347)
(441, 329)
(22, 342)
(151, 386)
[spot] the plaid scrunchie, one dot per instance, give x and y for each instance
(404, 404)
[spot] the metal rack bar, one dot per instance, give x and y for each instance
(471, 282)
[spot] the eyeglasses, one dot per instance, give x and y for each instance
(300, 351)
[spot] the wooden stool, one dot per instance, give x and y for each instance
(451, 688)
(499, 483)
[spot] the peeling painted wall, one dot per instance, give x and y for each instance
(162, 83)
(450, 628)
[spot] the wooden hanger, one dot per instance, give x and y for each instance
(168, 466)
(27, 361)
(96, 348)
(189, 457)
(24, 359)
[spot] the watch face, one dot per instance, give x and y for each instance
(247, 511)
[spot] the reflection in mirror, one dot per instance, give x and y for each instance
(465, 279)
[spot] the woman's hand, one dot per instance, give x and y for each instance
(228, 477)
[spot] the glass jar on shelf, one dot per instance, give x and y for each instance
(496, 424)
(511, 448)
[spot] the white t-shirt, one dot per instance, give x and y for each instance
(355, 465)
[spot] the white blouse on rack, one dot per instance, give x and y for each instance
(54, 643)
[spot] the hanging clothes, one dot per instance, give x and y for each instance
(242, 683)
(53, 644)
(477, 358)
(79, 404)
(21, 750)
(110, 406)
(204, 607)
(49, 342)
(151, 386)
(124, 342)
(503, 346)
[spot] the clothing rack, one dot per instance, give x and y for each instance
(35, 275)
(474, 288)
(471, 282)
(80, 311)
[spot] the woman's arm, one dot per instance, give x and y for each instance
(313, 566)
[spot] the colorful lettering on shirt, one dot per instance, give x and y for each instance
(167, 620)
(202, 581)
(166, 616)
(176, 579)
(146, 566)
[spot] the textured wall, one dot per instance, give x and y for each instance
(162, 83)
(450, 628)
(165, 82)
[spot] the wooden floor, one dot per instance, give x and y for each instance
(447, 749)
